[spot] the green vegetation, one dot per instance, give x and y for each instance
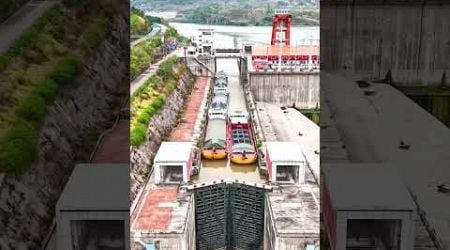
(245, 14)
(142, 55)
(94, 34)
(139, 25)
(149, 19)
(40, 63)
(149, 99)
(258, 143)
(171, 32)
(19, 145)
(66, 70)
(312, 114)
(18, 148)
(240, 12)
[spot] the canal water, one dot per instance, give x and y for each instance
(224, 169)
(224, 35)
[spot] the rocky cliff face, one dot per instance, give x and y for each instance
(160, 126)
(27, 203)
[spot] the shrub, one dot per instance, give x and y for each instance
(145, 88)
(165, 69)
(144, 117)
(138, 25)
(66, 70)
(94, 34)
(47, 89)
(31, 108)
(158, 103)
(258, 143)
(156, 42)
(170, 85)
(4, 61)
(171, 32)
(150, 111)
(34, 56)
(18, 149)
(138, 134)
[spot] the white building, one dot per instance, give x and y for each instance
(366, 207)
(285, 162)
(93, 211)
(173, 162)
(205, 41)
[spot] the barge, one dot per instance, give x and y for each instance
(219, 107)
(221, 84)
(215, 146)
(241, 144)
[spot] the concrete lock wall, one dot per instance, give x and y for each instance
(369, 38)
(286, 89)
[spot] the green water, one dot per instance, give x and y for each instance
(312, 114)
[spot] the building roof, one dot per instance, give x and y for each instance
(284, 151)
(295, 211)
(365, 186)
(85, 191)
(289, 51)
(174, 152)
(163, 209)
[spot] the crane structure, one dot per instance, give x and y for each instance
(281, 28)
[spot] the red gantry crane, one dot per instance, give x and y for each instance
(281, 29)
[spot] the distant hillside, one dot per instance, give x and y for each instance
(138, 24)
(233, 12)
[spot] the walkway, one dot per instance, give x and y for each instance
(115, 145)
(149, 72)
(185, 130)
(13, 27)
(154, 32)
(291, 125)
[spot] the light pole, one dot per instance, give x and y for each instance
(185, 55)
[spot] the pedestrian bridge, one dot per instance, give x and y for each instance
(228, 53)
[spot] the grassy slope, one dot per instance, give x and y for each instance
(44, 60)
(150, 98)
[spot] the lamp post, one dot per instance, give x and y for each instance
(185, 55)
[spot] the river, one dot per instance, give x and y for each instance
(224, 34)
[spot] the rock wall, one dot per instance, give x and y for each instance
(159, 128)
(27, 202)
(286, 89)
(369, 38)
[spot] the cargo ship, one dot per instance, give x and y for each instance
(219, 107)
(241, 146)
(215, 146)
(221, 84)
